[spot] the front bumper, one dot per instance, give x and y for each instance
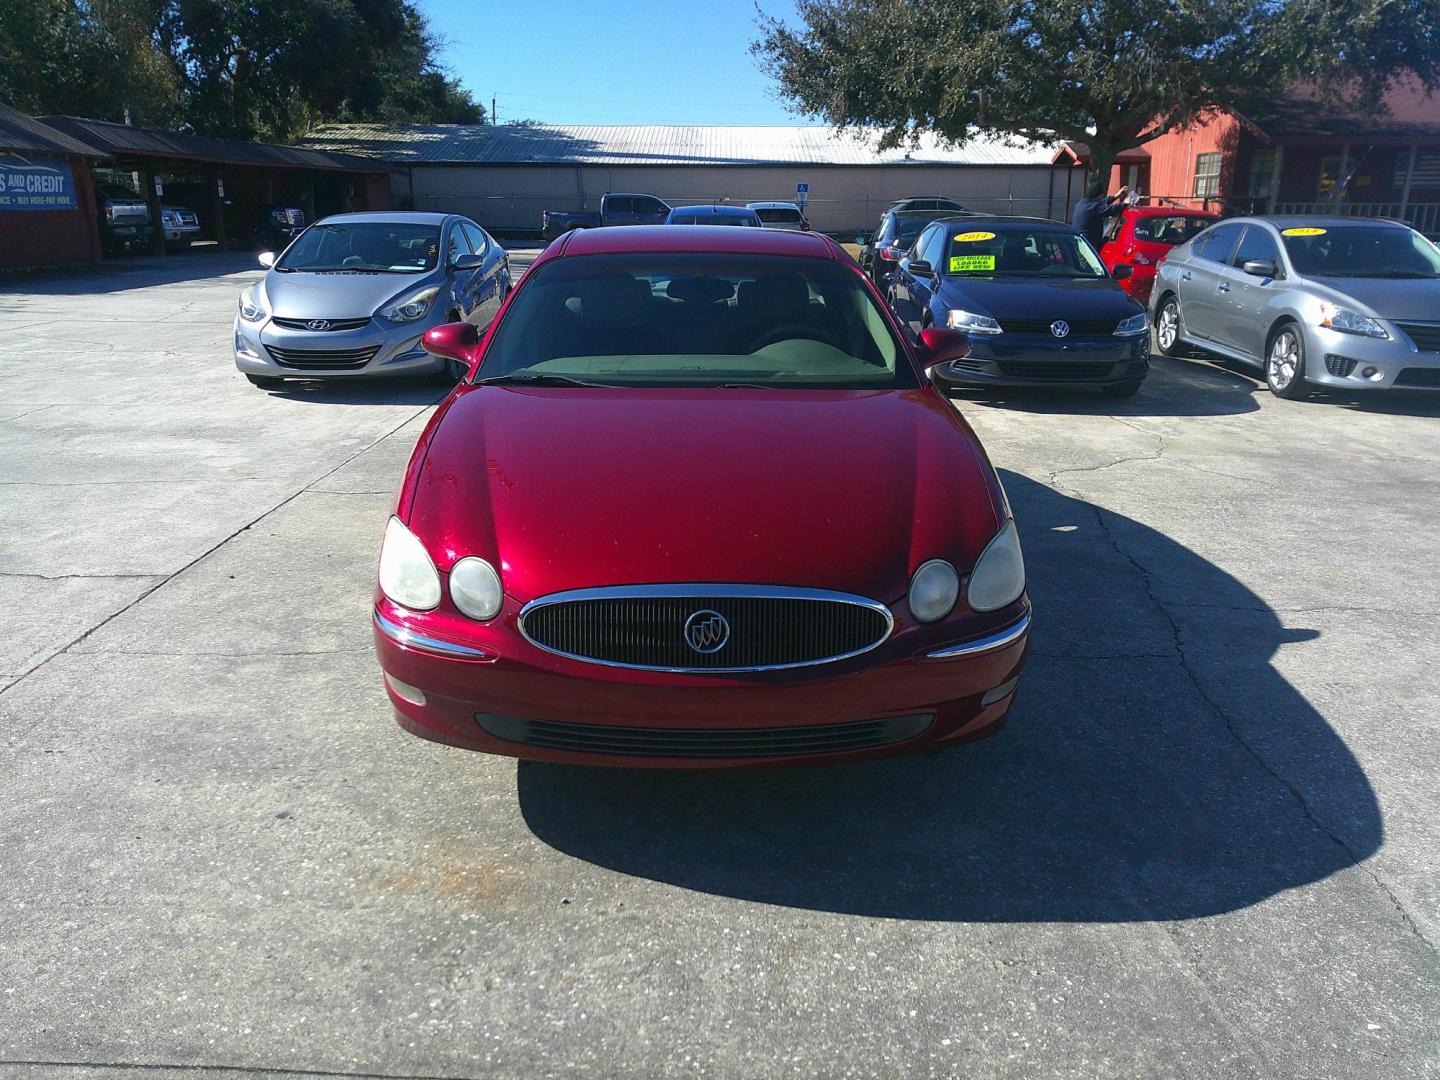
(930, 692)
(375, 349)
(1025, 360)
(1353, 362)
(181, 234)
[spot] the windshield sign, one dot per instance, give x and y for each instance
(703, 319)
(1038, 252)
(1361, 251)
(386, 247)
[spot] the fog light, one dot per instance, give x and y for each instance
(1000, 693)
(413, 694)
(1370, 372)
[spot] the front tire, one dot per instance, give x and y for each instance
(1285, 364)
(1167, 327)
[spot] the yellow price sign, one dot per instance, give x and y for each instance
(961, 263)
(1308, 231)
(974, 237)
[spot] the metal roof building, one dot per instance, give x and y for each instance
(47, 215)
(505, 175)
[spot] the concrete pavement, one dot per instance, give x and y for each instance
(1207, 844)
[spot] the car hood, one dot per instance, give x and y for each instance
(298, 295)
(1036, 298)
(573, 488)
(1389, 298)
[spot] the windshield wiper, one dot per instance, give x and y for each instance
(534, 378)
(745, 386)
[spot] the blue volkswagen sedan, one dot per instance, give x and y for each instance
(1034, 298)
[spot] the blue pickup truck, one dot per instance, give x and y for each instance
(616, 208)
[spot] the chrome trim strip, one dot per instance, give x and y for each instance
(998, 640)
(701, 592)
(404, 636)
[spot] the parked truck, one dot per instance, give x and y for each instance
(616, 208)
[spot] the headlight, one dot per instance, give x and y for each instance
(1348, 322)
(475, 588)
(411, 307)
(959, 319)
(999, 575)
(934, 590)
(407, 573)
(1134, 326)
(250, 310)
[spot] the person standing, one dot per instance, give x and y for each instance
(1088, 217)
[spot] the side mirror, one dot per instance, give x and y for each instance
(1123, 271)
(939, 346)
(1261, 268)
(267, 259)
(920, 268)
(452, 341)
(466, 261)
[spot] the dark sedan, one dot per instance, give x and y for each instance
(1034, 298)
(880, 251)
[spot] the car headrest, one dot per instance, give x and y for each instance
(781, 298)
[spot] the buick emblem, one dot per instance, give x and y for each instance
(1060, 328)
(707, 631)
(318, 324)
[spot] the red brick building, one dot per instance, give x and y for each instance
(47, 204)
(1302, 155)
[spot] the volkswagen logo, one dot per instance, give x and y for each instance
(1060, 328)
(318, 324)
(707, 631)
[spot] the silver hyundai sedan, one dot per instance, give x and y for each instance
(353, 294)
(1351, 303)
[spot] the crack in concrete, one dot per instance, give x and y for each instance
(261, 655)
(80, 577)
(1319, 609)
(210, 551)
(1214, 706)
(171, 1067)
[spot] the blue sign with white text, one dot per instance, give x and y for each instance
(42, 183)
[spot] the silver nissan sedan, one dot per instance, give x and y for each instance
(1350, 303)
(353, 294)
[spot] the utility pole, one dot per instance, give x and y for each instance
(493, 114)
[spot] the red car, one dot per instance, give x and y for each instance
(1141, 235)
(698, 503)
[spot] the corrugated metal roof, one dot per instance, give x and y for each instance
(600, 144)
(116, 139)
(21, 132)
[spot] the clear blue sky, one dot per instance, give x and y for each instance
(612, 61)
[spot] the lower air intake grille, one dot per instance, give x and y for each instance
(705, 742)
(1339, 365)
(1425, 335)
(739, 628)
(1057, 370)
(326, 359)
(1418, 376)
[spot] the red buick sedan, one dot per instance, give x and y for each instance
(698, 503)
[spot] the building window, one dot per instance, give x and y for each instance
(1262, 168)
(1207, 175)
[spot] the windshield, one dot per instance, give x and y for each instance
(1171, 230)
(705, 319)
(390, 247)
(1033, 252)
(778, 215)
(705, 217)
(907, 229)
(1361, 251)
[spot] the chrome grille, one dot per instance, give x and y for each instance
(322, 358)
(644, 626)
(705, 742)
(1425, 335)
(335, 324)
(1078, 327)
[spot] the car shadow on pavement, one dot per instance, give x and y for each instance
(1173, 388)
(1156, 766)
(1393, 402)
(121, 274)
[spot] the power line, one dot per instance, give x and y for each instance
(640, 101)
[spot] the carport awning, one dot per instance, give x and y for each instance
(119, 140)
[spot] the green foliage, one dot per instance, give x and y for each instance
(1111, 73)
(265, 69)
